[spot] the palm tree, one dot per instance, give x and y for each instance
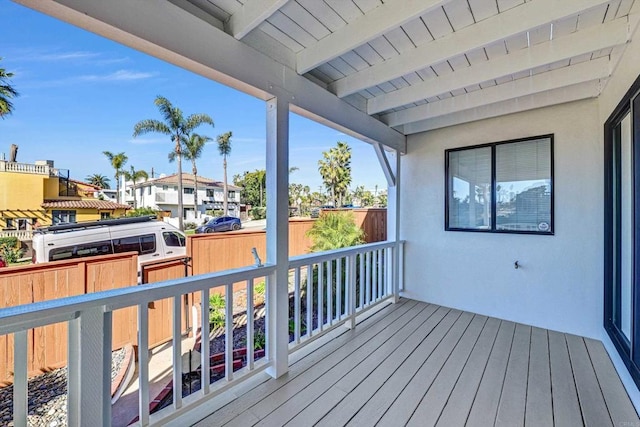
(224, 147)
(335, 168)
(99, 181)
(7, 92)
(117, 162)
(177, 127)
(134, 175)
(192, 150)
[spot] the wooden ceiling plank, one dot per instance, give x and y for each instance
(362, 29)
(551, 80)
(491, 30)
(590, 40)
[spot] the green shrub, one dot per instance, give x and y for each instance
(9, 241)
(189, 225)
(142, 212)
(259, 340)
(260, 289)
(217, 311)
(258, 212)
(10, 254)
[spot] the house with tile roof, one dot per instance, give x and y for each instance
(162, 194)
(41, 194)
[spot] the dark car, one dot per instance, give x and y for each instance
(223, 223)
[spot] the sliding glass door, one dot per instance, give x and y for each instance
(622, 215)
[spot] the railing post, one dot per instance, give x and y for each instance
(89, 369)
(351, 292)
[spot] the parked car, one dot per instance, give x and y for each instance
(153, 240)
(223, 223)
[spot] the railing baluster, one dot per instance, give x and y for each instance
(380, 273)
(400, 275)
(20, 391)
(368, 281)
(250, 315)
(228, 339)
(205, 344)
(320, 296)
(351, 289)
(177, 352)
(330, 292)
(339, 289)
(361, 280)
(309, 301)
(374, 279)
(143, 363)
(296, 305)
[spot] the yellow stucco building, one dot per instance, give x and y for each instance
(39, 194)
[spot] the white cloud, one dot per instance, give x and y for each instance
(48, 56)
(149, 141)
(117, 76)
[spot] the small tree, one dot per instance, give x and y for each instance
(117, 162)
(335, 230)
(99, 181)
(7, 93)
(134, 176)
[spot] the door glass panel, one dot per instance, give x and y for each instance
(626, 227)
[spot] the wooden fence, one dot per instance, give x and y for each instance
(207, 252)
(47, 346)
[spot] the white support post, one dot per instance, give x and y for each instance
(20, 379)
(89, 369)
(278, 233)
(393, 222)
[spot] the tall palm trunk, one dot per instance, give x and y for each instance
(135, 201)
(195, 184)
(226, 193)
(117, 186)
(180, 207)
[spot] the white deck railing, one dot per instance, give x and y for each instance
(343, 284)
(332, 288)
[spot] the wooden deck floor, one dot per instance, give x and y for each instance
(419, 364)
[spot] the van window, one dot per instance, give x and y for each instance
(171, 238)
(145, 244)
(81, 250)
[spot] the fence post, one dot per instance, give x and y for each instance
(89, 369)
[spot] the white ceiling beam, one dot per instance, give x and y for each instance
(170, 33)
(499, 27)
(610, 34)
(367, 27)
(584, 72)
(251, 14)
(539, 100)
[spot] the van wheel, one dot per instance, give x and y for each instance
(235, 227)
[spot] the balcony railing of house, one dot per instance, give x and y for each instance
(326, 290)
(20, 234)
(27, 168)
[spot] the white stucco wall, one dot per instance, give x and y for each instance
(559, 284)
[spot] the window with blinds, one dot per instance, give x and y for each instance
(501, 187)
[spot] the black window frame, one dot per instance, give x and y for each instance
(492, 229)
(629, 351)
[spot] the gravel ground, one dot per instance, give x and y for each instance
(47, 397)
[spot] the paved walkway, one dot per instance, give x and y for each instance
(160, 374)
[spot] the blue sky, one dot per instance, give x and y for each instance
(81, 94)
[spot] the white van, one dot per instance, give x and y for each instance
(152, 240)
